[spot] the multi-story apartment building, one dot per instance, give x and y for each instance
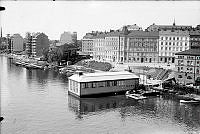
(99, 47)
(87, 45)
(9, 43)
(68, 37)
(36, 43)
(171, 42)
(195, 38)
(187, 66)
(142, 47)
(110, 46)
(127, 46)
(17, 43)
(28, 41)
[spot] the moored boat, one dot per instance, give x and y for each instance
(136, 96)
(189, 101)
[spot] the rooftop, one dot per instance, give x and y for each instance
(195, 32)
(89, 77)
(191, 52)
(144, 34)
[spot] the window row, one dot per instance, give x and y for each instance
(167, 54)
(106, 83)
(174, 38)
(174, 43)
(172, 48)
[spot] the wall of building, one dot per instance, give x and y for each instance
(112, 49)
(99, 49)
(87, 46)
(17, 43)
(170, 43)
(102, 87)
(143, 50)
(74, 87)
(39, 43)
(187, 68)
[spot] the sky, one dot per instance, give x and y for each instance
(55, 17)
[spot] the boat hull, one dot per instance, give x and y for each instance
(189, 101)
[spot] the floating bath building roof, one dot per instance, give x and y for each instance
(90, 77)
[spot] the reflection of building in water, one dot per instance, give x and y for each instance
(165, 107)
(86, 105)
(102, 83)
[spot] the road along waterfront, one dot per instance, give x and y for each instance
(37, 102)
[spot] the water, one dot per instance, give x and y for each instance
(37, 102)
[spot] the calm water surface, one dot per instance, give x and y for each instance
(37, 102)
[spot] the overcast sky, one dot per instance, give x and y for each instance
(53, 18)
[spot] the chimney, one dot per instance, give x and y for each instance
(125, 30)
(79, 73)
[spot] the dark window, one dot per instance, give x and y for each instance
(189, 77)
(180, 76)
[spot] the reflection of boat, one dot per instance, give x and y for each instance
(17, 63)
(189, 101)
(150, 92)
(33, 66)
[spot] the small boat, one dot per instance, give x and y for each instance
(189, 101)
(135, 96)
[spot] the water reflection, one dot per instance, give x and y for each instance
(165, 108)
(84, 106)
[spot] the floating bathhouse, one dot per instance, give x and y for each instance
(87, 84)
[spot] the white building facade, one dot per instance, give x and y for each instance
(170, 43)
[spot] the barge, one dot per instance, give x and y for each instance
(102, 84)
